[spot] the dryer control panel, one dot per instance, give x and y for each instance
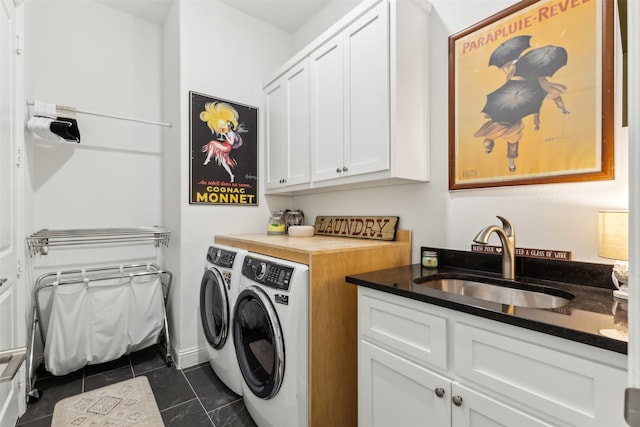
(220, 257)
(267, 273)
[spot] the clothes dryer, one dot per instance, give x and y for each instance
(271, 338)
(218, 293)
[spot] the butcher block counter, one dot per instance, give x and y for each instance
(333, 309)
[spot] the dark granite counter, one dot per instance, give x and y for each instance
(592, 317)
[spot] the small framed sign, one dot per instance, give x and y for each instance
(362, 227)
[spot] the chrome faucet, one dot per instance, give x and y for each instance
(508, 239)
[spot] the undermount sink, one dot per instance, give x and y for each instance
(507, 293)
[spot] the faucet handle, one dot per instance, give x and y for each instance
(506, 226)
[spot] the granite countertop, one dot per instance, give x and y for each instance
(592, 317)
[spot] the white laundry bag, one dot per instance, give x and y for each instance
(93, 323)
(68, 342)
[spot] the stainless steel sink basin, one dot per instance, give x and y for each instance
(507, 293)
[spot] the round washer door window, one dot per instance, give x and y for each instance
(214, 308)
(258, 340)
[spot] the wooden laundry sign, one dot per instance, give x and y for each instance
(362, 227)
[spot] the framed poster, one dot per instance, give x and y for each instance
(531, 96)
(223, 143)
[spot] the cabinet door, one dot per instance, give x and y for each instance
(366, 97)
(472, 409)
(327, 110)
(276, 123)
(581, 393)
(393, 391)
(287, 111)
(298, 164)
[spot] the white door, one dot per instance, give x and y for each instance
(472, 409)
(393, 391)
(9, 313)
(276, 122)
(287, 111)
(327, 110)
(366, 44)
(298, 124)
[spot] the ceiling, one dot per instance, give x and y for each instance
(288, 15)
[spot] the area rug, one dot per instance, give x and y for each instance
(127, 403)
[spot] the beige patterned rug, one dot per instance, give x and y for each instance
(127, 403)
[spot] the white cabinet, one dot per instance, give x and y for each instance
(393, 391)
(489, 373)
(349, 100)
(287, 126)
(472, 409)
(367, 99)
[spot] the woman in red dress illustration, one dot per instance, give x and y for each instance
(222, 119)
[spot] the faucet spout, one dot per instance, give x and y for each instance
(508, 240)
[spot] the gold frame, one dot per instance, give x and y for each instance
(556, 146)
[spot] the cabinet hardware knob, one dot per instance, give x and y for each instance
(439, 392)
(344, 169)
(338, 170)
(3, 281)
(457, 400)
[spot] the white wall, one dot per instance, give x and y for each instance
(553, 216)
(225, 54)
(86, 55)
(95, 58)
(332, 12)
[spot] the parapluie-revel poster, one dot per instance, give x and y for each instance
(531, 96)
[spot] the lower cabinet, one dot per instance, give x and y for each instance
(474, 409)
(397, 392)
(423, 365)
(393, 391)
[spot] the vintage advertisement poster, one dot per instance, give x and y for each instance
(530, 96)
(224, 152)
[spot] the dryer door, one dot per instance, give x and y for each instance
(214, 308)
(259, 344)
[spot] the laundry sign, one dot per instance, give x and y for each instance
(362, 227)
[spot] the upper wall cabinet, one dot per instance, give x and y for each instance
(287, 122)
(366, 104)
(349, 100)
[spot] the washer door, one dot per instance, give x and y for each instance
(259, 344)
(214, 308)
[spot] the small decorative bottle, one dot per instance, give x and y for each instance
(430, 259)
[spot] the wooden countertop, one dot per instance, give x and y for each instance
(311, 245)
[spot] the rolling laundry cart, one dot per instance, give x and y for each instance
(95, 315)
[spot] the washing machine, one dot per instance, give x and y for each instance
(271, 338)
(218, 292)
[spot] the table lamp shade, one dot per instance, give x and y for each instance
(613, 234)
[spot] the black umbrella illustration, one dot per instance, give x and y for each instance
(541, 62)
(509, 51)
(514, 100)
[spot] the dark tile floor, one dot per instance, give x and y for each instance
(190, 397)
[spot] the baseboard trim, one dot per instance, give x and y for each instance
(190, 357)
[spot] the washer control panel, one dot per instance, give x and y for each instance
(220, 257)
(267, 273)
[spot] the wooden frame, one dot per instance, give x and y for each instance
(531, 96)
